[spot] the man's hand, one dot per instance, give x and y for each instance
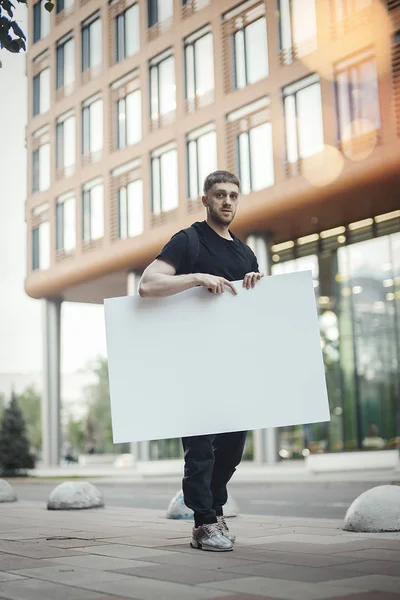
(250, 279)
(214, 284)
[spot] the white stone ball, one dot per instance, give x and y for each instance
(7, 493)
(75, 495)
(377, 509)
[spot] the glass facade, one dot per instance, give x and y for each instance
(162, 85)
(199, 64)
(41, 92)
(129, 119)
(65, 74)
(92, 126)
(251, 53)
(130, 209)
(298, 28)
(66, 223)
(93, 211)
(127, 33)
(91, 43)
(164, 180)
(201, 157)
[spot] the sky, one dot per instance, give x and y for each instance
(82, 330)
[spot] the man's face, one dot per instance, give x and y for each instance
(221, 203)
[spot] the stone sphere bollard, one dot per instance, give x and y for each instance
(177, 508)
(7, 493)
(75, 495)
(376, 510)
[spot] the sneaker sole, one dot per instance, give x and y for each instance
(198, 546)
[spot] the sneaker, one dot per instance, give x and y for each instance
(224, 529)
(209, 537)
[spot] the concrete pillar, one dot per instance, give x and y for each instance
(51, 403)
(265, 440)
(140, 450)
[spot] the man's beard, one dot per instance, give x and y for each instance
(218, 218)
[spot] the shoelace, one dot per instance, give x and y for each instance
(212, 528)
(222, 523)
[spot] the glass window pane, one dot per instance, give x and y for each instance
(69, 233)
(60, 67)
(304, 21)
(36, 95)
(120, 37)
(343, 101)
(121, 123)
(96, 126)
(44, 90)
(256, 50)
(165, 9)
(69, 142)
(135, 208)
(285, 24)
(155, 186)
(85, 49)
(167, 85)
(44, 245)
(154, 91)
(134, 117)
(204, 61)
(95, 43)
(262, 158)
(36, 21)
(44, 167)
(310, 123)
(189, 60)
(240, 66)
(35, 171)
(369, 96)
(69, 62)
(123, 214)
(207, 159)
(194, 180)
(244, 163)
(292, 154)
(96, 212)
(169, 180)
(45, 21)
(132, 32)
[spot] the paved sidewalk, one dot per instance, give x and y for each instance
(116, 553)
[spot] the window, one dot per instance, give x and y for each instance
(164, 179)
(41, 246)
(130, 209)
(162, 85)
(127, 33)
(298, 28)
(159, 11)
(41, 21)
(250, 46)
(357, 96)
(201, 157)
(343, 9)
(254, 151)
(41, 168)
(303, 119)
(93, 211)
(199, 64)
(66, 5)
(191, 6)
(91, 43)
(66, 222)
(65, 62)
(65, 138)
(41, 92)
(128, 115)
(92, 126)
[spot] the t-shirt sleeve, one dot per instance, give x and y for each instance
(175, 251)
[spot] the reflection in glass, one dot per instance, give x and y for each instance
(167, 93)
(261, 157)
(69, 224)
(204, 64)
(44, 90)
(44, 245)
(169, 180)
(304, 123)
(132, 31)
(251, 53)
(44, 167)
(96, 212)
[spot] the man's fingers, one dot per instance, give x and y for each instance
(230, 285)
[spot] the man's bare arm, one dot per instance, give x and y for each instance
(159, 280)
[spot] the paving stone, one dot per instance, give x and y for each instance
(279, 588)
(383, 583)
(200, 560)
(187, 575)
(369, 596)
(148, 589)
(11, 562)
(292, 573)
(9, 576)
(34, 550)
(124, 551)
(373, 554)
(33, 589)
(71, 575)
(327, 540)
(292, 558)
(106, 563)
(376, 567)
(300, 548)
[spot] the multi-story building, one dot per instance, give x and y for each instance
(133, 102)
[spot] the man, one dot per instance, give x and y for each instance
(220, 258)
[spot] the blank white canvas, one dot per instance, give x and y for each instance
(198, 363)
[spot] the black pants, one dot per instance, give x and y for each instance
(210, 462)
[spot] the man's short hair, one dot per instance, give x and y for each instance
(219, 177)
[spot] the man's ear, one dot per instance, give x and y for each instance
(204, 201)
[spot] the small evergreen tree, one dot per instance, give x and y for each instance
(15, 454)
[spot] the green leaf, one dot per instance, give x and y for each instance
(17, 30)
(49, 6)
(8, 6)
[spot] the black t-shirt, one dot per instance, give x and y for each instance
(231, 259)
